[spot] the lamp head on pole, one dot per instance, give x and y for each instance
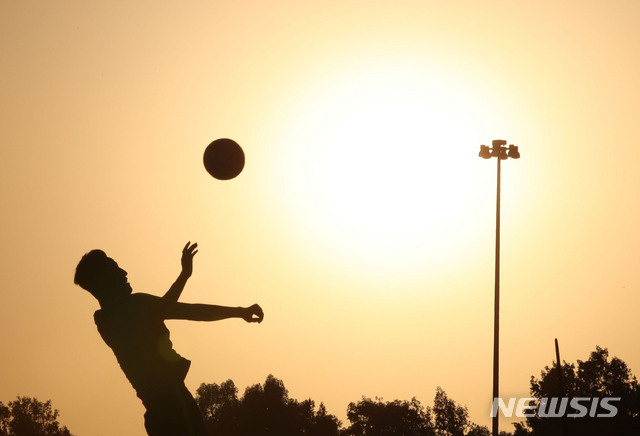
(485, 152)
(498, 149)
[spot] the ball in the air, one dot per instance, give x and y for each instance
(223, 159)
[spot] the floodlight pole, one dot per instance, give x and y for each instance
(496, 308)
(500, 151)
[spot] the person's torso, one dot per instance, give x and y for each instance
(140, 341)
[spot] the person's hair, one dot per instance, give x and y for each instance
(89, 270)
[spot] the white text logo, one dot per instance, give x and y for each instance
(555, 407)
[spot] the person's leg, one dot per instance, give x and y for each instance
(152, 424)
(192, 413)
(174, 412)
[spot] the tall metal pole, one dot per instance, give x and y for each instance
(496, 309)
(498, 150)
(565, 426)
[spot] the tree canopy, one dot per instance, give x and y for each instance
(409, 418)
(262, 410)
(377, 418)
(29, 417)
(596, 378)
(266, 409)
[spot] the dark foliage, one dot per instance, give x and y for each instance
(30, 417)
(266, 410)
(409, 418)
(598, 377)
(377, 418)
(263, 410)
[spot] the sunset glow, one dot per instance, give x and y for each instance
(379, 168)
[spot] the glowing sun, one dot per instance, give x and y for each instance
(383, 164)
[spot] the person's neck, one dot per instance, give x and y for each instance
(105, 304)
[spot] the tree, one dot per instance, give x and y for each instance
(219, 406)
(377, 418)
(409, 418)
(598, 377)
(263, 410)
(450, 419)
(325, 423)
(29, 417)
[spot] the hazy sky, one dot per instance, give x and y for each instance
(364, 219)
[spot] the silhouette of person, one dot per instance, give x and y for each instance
(132, 324)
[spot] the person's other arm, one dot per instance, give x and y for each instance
(176, 289)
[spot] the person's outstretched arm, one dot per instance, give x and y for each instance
(176, 289)
(166, 309)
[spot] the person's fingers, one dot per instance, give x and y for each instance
(189, 247)
(190, 251)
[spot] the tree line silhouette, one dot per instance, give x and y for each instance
(266, 409)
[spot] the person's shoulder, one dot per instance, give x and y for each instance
(131, 305)
(147, 304)
(142, 299)
(127, 303)
(141, 296)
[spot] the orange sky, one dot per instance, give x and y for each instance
(363, 222)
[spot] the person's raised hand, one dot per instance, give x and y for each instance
(188, 252)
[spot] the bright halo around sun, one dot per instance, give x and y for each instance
(382, 166)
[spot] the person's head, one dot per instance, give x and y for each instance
(101, 276)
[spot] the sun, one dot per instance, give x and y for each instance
(382, 164)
